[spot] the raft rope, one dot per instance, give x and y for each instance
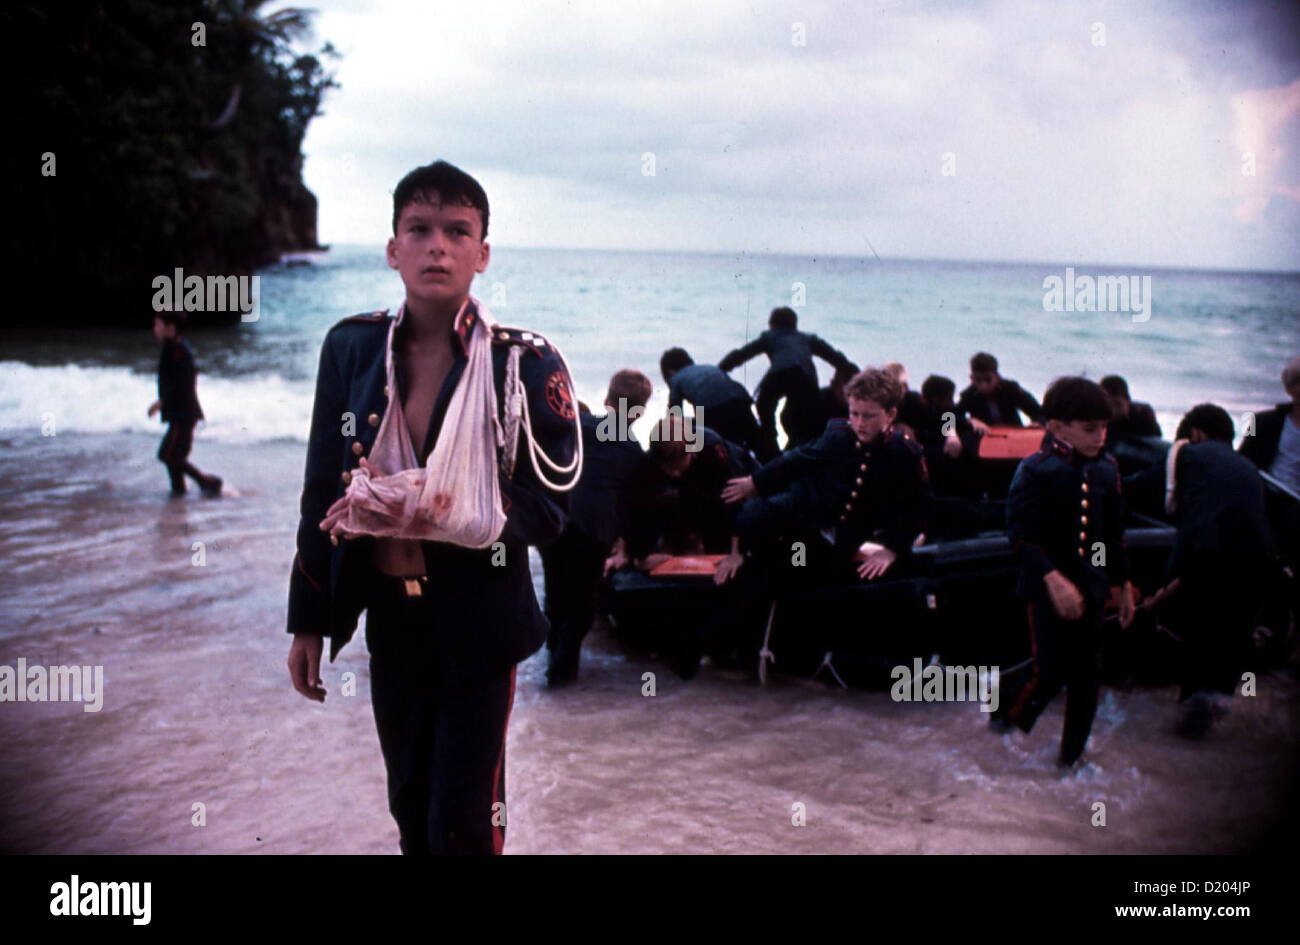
(765, 655)
(827, 664)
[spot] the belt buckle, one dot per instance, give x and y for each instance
(413, 586)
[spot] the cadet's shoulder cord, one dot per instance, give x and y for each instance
(516, 408)
(535, 451)
(513, 411)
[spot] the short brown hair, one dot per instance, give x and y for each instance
(668, 441)
(876, 385)
(175, 319)
(629, 384)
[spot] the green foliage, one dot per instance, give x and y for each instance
(167, 153)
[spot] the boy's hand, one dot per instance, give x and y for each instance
(1163, 594)
(337, 512)
(1126, 605)
(727, 568)
(304, 665)
(980, 426)
(1066, 599)
(615, 561)
(876, 564)
(154, 408)
(650, 562)
(952, 447)
(737, 490)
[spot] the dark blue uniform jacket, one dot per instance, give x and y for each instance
(1060, 504)
(488, 615)
(598, 502)
(788, 347)
(177, 376)
(705, 385)
(877, 491)
(1010, 398)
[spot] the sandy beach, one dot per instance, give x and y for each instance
(198, 709)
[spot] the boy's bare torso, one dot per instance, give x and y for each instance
(425, 366)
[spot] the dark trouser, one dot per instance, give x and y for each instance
(1065, 655)
(443, 736)
(174, 453)
(573, 565)
(800, 392)
(769, 529)
(1216, 607)
(735, 421)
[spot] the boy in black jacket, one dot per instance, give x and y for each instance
(178, 401)
(812, 508)
(1223, 563)
(993, 400)
(446, 623)
(1065, 519)
(791, 375)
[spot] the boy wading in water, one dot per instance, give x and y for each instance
(178, 401)
(446, 623)
(1065, 519)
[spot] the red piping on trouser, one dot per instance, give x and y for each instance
(499, 830)
(1030, 686)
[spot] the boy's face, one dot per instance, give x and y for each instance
(868, 418)
(438, 251)
(677, 468)
(1086, 436)
(163, 331)
(986, 382)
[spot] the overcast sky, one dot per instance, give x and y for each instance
(810, 127)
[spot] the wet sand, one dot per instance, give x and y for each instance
(198, 709)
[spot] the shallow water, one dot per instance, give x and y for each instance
(198, 709)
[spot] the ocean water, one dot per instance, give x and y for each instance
(1217, 336)
(182, 602)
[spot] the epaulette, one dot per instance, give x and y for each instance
(501, 335)
(907, 440)
(371, 317)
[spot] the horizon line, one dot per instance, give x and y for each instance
(856, 258)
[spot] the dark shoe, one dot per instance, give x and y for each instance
(999, 724)
(1197, 718)
(686, 665)
(560, 675)
(211, 486)
(176, 493)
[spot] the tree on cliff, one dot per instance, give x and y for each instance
(154, 134)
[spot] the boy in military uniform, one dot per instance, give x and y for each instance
(862, 480)
(574, 563)
(178, 401)
(1065, 520)
(446, 624)
(791, 375)
(1223, 565)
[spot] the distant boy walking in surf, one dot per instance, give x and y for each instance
(178, 401)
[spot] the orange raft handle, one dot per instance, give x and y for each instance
(1010, 442)
(687, 566)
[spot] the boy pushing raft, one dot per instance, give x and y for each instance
(809, 511)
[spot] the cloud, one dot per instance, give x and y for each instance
(1064, 149)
